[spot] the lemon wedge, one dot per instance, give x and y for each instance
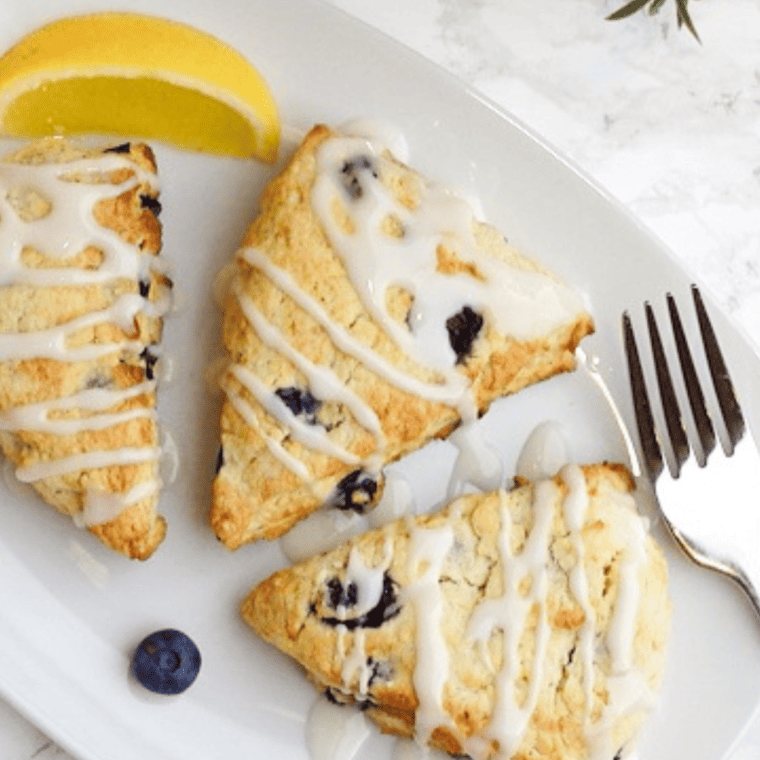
(141, 76)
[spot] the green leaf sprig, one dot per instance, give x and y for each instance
(682, 13)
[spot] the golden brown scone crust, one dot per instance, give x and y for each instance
(137, 530)
(290, 608)
(254, 495)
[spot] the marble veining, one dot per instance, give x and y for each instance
(670, 127)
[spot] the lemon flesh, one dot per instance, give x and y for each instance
(146, 107)
(141, 76)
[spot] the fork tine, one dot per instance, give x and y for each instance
(670, 406)
(702, 422)
(724, 389)
(643, 411)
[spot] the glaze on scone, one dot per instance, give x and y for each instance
(522, 624)
(370, 314)
(81, 306)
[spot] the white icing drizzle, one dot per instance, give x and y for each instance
(67, 227)
(575, 506)
(369, 588)
(295, 465)
(447, 393)
(355, 662)
(509, 614)
(623, 626)
(427, 553)
(37, 416)
(368, 580)
(323, 382)
(102, 507)
(312, 436)
(376, 262)
(70, 225)
(51, 343)
(520, 303)
(87, 461)
(379, 132)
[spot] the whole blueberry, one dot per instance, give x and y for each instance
(463, 328)
(166, 662)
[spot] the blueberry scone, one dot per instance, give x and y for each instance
(371, 313)
(522, 624)
(81, 304)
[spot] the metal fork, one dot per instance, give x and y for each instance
(713, 512)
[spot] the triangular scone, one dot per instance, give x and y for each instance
(81, 307)
(370, 314)
(522, 624)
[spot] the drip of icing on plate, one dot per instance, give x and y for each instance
(333, 732)
(338, 732)
(478, 463)
(544, 453)
(67, 227)
(397, 500)
(517, 302)
(168, 466)
(321, 531)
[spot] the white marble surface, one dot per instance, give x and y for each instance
(668, 126)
